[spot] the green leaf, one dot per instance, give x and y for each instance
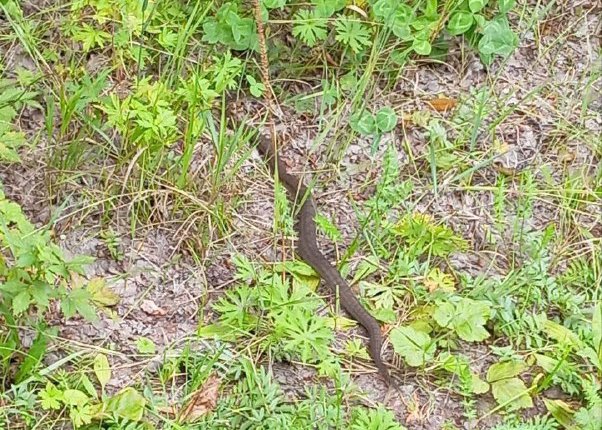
(75, 397)
(363, 123)
(145, 345)
(467, 318)
(561, 334)
(51, 397)
(415, 346)
(309, 27)
(21, 302)
(102, 369)
(478, 385)
(273, 4)
(421, 47)
(498, 39)
(459, 23)
(504, 6)
(34, 355)
(352, 33)
(79, 300)
(562, 412)
(81, 416)
(386, 119)
(476, 5)
(512, 393)
(256, 88)
(306, 334)
(128, 404)
(504, 370)
(327, 8)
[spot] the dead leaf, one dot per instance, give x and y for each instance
(357, 9)
(442, 104)
(201, 402)
(149, 307)
(415, 414)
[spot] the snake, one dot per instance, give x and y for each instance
(307, 248)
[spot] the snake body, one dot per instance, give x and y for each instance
(307, 249)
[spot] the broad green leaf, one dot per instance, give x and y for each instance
(472, 315)
(546, 363)
(498, 39)
(128, 404)
(415, 346)
(365, 268)
(504, 370)
(561, 334)
(75, 397)
(444, 314)
(217, 331)
(512, 393)
(21, 302)
(504, 6)
(90, 389)
(102, 369)
(364, 123)
(477, 5)
(459, 23)
(326, 8)
(467, 318)
(478, 385)
(273, 4)
(386, 119)
(421, 47)
(562, 412)
(430, 9)
(145, 345)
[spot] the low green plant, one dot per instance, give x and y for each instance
(14, 95)
(34, 274)
(85, 405)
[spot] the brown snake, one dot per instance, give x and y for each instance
(308, 250)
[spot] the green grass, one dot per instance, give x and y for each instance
(471, 234)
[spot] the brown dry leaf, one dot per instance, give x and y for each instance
(149, 307)
(442, 104)
(168, 410)
(415, 414)
(201, 402)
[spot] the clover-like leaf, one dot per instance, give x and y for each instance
(386, 119)
(477, 5)
(364, 123)
(459, 23)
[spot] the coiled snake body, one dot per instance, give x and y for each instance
(307, 249)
